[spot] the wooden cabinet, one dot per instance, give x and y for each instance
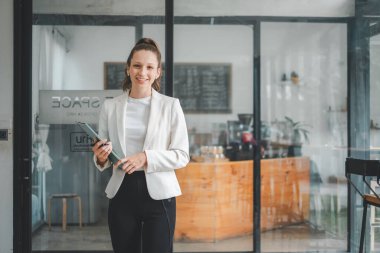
(217, 200)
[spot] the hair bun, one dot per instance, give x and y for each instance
(147, 41)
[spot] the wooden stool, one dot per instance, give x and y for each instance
(64, 197)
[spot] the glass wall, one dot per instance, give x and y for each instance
(374, 66)
(304, 135)
(213, 77)
(78, 62)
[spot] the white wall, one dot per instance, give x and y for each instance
(88, 48)
(320, 8)
(6, 115)
(229, 44)
(318, 53)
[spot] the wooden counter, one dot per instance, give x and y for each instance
(217, 200)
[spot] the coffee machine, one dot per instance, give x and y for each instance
(246, 121)
(240, 138)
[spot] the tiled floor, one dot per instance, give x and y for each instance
(326, 211)
(298, 238)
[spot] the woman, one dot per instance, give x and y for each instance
(149, 129)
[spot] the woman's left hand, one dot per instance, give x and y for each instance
(132, 163)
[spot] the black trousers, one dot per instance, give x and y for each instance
(138, 223)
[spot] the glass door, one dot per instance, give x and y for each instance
(78, 62)
(214, 84)
(72, 77)
(213, 78)
(304, 136)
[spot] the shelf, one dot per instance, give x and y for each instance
(290, 83)
(336, 110)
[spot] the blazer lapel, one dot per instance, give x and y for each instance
(120, 118)
(155, 112)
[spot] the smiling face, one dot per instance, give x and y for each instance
(143, 70)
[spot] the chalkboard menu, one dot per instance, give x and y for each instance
(114, 75)
(203, 87)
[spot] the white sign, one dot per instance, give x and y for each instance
(71, 106)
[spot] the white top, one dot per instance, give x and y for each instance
(137, 117)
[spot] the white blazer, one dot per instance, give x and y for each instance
(166, 143)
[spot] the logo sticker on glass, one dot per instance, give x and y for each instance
(80, 142)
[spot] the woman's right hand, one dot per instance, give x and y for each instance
(101, 150)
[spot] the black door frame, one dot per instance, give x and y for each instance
(22, 116)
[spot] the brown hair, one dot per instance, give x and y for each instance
(143, 44)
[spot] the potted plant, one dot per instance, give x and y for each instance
(298, 133)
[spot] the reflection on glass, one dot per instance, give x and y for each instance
(215, 212)
(70, 81)
(374, 132)
(304, 113)
(303, 78)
